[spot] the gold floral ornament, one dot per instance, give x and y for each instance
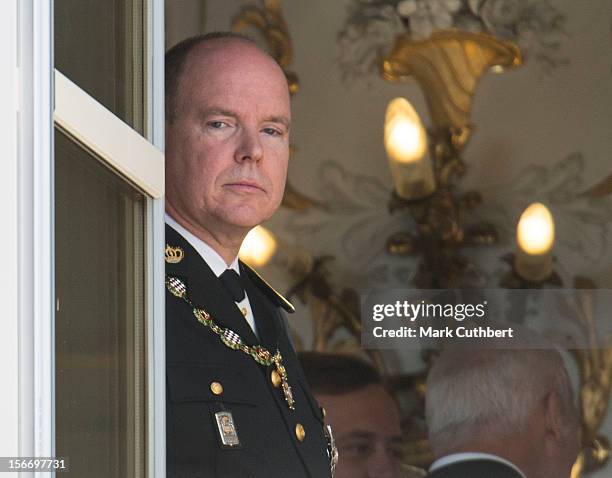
(271, 24)
(595, 369)
(538, 28)
(447, 66)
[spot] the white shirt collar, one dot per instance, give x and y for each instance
(469, 456)
(217, 265)
(210, 256)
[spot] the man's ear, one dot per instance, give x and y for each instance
(553, 415)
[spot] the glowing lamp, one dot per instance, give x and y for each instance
(405, 141)
(258, 247)
(535, 237)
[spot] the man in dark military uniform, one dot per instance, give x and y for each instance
(237, 401)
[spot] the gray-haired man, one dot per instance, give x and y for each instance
(501, 414)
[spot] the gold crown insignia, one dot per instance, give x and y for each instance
(174, 255)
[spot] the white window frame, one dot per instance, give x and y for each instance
(9, 240)
(156, 325)
(107, 137)
(35, 201)
(27, 290)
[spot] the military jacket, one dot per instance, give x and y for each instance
(204, 377)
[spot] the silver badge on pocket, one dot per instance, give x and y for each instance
(227, 429)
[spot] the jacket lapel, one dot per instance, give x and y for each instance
(264, 312)
(205, 290)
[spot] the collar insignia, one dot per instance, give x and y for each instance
(174, 255)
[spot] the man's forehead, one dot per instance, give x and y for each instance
(214, 50)
(236, 71)
(217, 56)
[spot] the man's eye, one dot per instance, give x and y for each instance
(396, 451)
(356, 450)
(216, 124)
(272, 132)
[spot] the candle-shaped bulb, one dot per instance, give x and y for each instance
(406, 145)
(535, 236)
(535, 233)
(258, 247)
(405, 137)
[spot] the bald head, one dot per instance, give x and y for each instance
(178, 58)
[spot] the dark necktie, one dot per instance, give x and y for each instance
(231, 280)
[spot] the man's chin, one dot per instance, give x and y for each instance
(246, 217)
(245, 223)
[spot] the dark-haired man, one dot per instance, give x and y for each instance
(361, 411)
(237, 402)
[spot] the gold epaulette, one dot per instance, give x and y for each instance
(268, 290)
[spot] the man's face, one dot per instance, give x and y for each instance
(366, 427)
(228, 146)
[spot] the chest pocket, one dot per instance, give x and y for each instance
(209, 383)
(195, 393)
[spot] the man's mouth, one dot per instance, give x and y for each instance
(245, 186)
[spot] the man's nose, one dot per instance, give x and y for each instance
(249, 148)
(383, 464)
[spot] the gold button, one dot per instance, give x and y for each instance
(276, 379)
(244, 311)
(216, 388)
(300, 433)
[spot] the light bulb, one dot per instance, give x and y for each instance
(535, 232)
(258, 247)
(405, 137)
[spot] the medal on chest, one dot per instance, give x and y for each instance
(233, 341)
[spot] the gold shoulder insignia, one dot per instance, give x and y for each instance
(267, 289)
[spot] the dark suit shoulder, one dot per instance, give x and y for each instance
(269, 291)
(475, 469)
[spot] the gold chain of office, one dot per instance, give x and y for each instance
(232, 340)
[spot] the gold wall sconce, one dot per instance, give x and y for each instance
(447, 67)
(421, 169)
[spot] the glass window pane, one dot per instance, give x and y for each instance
(99, 330)
(99, 46)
